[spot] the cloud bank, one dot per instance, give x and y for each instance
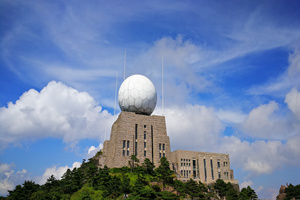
(56, 111)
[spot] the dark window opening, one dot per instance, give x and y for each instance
(136, 131)
(205, 174)
(212, 169)
(194, 168)
(152, 143)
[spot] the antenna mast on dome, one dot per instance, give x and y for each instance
(124, 63)
(162, 85)
(116, 94)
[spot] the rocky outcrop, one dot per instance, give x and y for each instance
(282, 193)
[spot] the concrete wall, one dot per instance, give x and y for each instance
(125, 128)
(190, 164)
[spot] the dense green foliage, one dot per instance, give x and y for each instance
(292, 192)
(138, 181)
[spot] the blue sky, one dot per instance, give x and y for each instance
(231, 82)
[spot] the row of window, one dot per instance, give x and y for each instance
(163, 154)
(185, 160)
(185, 164)
(124, 143)
(184, 173)
(163, 146)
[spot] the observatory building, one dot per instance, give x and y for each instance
(137, 132)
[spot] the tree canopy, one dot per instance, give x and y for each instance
(133, 182)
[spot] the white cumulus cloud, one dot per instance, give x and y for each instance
(263, 123)
(193, 127)
(199, 128)
(56, 111)
(293, 101)
(246, 184)
(57, 172)
(93, 150)
(9, 178)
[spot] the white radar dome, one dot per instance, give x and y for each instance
(137, 94)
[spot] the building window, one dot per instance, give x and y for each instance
(163, 146)
(159, 155)
(159, 146)
(205, 174)
(145, 126)
(181, 172)
(218, 164)
(224, 164)
(144, 144)
(136, 131)
(127, 144)
(136, 148)
(219, 175)
(212, 169)
(164, 155)
(194, 168)
(145, 153)
(181, 164)
(127, 152)
(123, 152)
(145, 135)
(124, 142)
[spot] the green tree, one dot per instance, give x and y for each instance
(247, 193)
(193, 189)
(167, 195)
(164, 172)
(149, 166)
(133, 160)
(125, 185)
(51, 183)
(180, 187)
(292, 191)
(221, 187)
(23, 192)
(231, 194)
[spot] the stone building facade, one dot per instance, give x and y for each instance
(135, 134)
(146, 137)
(202, 166)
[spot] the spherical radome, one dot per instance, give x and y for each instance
(137, 94)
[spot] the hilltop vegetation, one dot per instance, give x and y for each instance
(138, 181)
